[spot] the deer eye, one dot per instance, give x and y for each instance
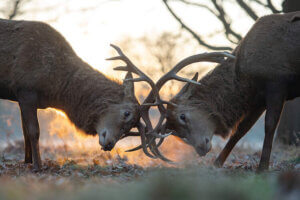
(126, 114)
(182, 117)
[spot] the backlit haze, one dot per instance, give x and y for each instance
(91, 25)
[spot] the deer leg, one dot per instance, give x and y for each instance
(28, 106)
(242, 129)
(28, 151)
(275, 97)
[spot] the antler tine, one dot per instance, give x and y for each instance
(130, 134)
(162, 138)
(132, 68)
(134, 149)
(141, 129)
(207, 57)
(152, 134)
(178, 78)
(229, 55)
(158, 126)
(156, 152)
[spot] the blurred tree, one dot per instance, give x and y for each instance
(217, 8)
(289, 126)
(156, 54)
(12, 8)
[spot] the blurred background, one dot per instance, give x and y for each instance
(155, 34)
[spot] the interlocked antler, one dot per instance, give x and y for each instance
(148, 134)
(217, 57)
(130, 67)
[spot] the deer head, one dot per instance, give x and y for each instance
(189, 122)
(119, 118)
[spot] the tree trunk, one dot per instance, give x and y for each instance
(288, 131)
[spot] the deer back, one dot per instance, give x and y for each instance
(271, 49)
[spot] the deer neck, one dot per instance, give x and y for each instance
(86, 95)
(226, 98)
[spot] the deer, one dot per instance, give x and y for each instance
(262, 73)
(39, 69)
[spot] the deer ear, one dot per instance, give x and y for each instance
(129, 86)
(187, 89)
(295, 17)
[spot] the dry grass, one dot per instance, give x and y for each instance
(69, 173)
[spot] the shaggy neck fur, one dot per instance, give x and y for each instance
(86, 95)
(225, 98)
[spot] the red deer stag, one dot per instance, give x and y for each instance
(39, 69)
(231, 98)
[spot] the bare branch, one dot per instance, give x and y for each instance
(195, 35)
(268, 5)
(271, 6)
(260, 3)
(198, 5)
(221, 15)
(226, 23)
(15, 9)
(247, 9)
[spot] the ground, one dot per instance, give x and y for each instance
(72, 173)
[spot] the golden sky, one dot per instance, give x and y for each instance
(91, 25)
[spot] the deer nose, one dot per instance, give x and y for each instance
(202, 151)
(109, 146)
(208, 144)
(206, 140)
(203, 148)
(103, 134)
(106, 140)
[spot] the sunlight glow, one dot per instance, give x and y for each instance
(90, 26)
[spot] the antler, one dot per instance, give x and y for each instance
(217, 57)
(130, 67)
(148, 134)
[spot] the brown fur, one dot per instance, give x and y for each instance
(271, 49)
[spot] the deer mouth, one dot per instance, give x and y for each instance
(108, 147)
(202, 151)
